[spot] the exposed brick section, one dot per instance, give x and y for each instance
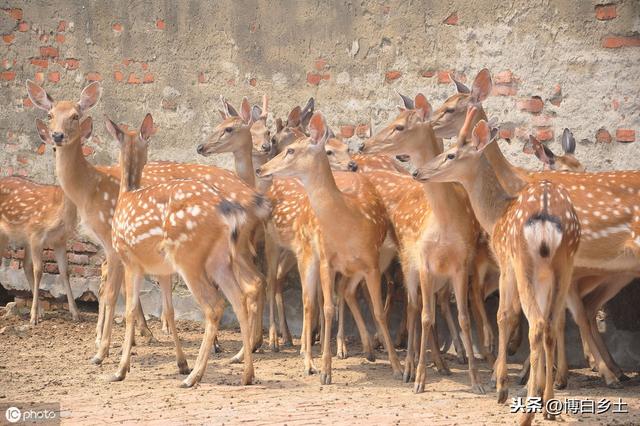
(347, 131)
(84, 247)
(94, 76)
(41, 63)
(533, 105)
(49, 52)
(160, 24)
(54, 77)
(556, 98)
(86, 150)
(60, 38)
(118, 76)
(62, 26)
(39, 77)
(71, 64)
(42, 148)
(23, 27)
(452, 19)
(117, 27)
(506, 132)
(544, 134)
(133, 79)
(362, 131)
(614, 42)
(253, 82)
(603, 136)
(389, 76)
(26, 102)
(428, 73)
(15, 13)
(148, 78)
(542, 120)
(443, 77)
(606, 12)
(7, 75)
(504, 84)
(625, 135)
(8, 38)
(314, 78)
(319, 64)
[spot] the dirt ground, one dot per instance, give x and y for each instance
(50, 363)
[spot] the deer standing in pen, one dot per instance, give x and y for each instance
(37, 216)
(182, 226)
(534, 236)
(357, 256)
(609, 212)
(442, 247)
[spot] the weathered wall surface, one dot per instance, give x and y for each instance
(555, 64)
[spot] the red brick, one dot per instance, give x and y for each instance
(428, 73)
(54, 77)
(603, 136)
(160, 24)
(117, 27)
(347, 131)
(556, 98)
(44, 38)
(544, 134)
(133, 79)
(71, 64)
(22, 159)
(26, 102)
(127, 61)
(118, 76)
(533, 105)
(48, 256)
(504, 90)
(319, 64)
(23, 27)
(503, 77)
(145, 66)
(605, 12)
(62, 26)
(542, 120)
(389, 76)
(94, 76)
(362, 131)
(41, 149)
(86, 150)
(452, 19)
(625, 135)
(60, 38)
(7, 75)
(8, 38)
(614, 42)
(42, 63)
(39, 77)
(79, 246)
(51, 268)
(315, 78)
(15, 13)
(78, 259)
(18, 254)
(202, 78)
(506, 133)
(253, 82)
(443, 77)
(49, 52)
(148, 78)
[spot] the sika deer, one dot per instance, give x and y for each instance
(182, 226)
(564, 163)
(360, 212)
(534, 237)
(37, 216)
(441, 247)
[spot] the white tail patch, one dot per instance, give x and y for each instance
(543, 238)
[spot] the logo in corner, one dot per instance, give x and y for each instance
(13, 414)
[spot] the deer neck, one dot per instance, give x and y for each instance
(77, 176)
(131, 166)
(488, 197)
(326, 199)
(243, 161)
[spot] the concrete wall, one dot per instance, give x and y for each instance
(555, 64)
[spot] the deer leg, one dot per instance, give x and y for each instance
(133, 282)
(272, 256)
(341, 351)
(350, 296)
(327, 279)
(36, 257)
(167, 311)
(411, 284)
(308, 268)
(508, 311)
(460, 289)
(443, 298)
(427, 319)
(484, 330)
(285, 266)
(60, 252)
(110, 291)
(104, 267)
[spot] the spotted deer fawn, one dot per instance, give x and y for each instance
(606, 204)
(564, 163)
(357, 257)
(37, 216)
(534, 237)
(442, 241)
(182, 226)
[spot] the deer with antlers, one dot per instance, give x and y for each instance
(182, 226)
(606, 206)
(361, 212)
(534, 235)
(37, 216)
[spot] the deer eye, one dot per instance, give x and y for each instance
(290, 151)
(228, 129)
(329, 152)
(451, 156)
(399, 127)
(75, 117)
(449, 110)
(49, 116)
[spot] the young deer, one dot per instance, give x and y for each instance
(607, 207)
(37, 216)
(564, 163)
(182, 226)
(441, 245)
(534, 237)
(360, 212)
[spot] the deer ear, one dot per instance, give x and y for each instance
(279, 125)
(146, 129)
(460, 87)
(318, 129)
(228, 108)
(222, 114)
(245, 111)
(90, 96)
(43, 131)
(38, 96)
(481, 86)
(256, 112)
(568, 142)
(543, 153)
(307, 112)
(422, 107)
(294, 117)
(86, 128)
(481, 135)
(406, 101)
(114, 130)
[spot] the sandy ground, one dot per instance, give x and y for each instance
(50, 363)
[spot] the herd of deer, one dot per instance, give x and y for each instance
(558, 238)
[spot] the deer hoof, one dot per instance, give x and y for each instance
(478, 389)
(371, 357)
(96, 360)
(502, 396)
(418, 388)
(624, 378)
(325, 378)
(615, 385)
(117, 377)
